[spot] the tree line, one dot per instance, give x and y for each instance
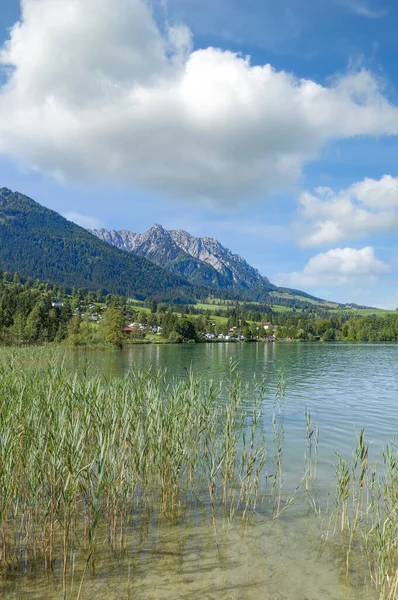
(336, 327)
(34, 312)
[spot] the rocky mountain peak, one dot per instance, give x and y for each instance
(156, 228)
(168, 247)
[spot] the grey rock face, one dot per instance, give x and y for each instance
(210, 251)
(203, 261)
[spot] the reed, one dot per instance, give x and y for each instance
(310, 459)
(86, 460)
(278, 429)
(80, 453)
(366, 516)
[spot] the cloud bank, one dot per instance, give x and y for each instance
(97, 91)
(339, 266)
(365, 208)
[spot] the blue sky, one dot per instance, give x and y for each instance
(119, 116)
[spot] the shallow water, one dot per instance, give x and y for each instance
(277, 561)
(344, 387)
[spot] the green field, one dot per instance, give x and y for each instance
(282, 309)
(205, 306)
(218, 320)
(365, 312)
(324, 303)
(213, 318)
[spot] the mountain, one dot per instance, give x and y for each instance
(202, 261)
(39, 243)
(206, 263)
(158, 246)
(165, 265)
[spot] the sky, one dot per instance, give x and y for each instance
(271, 126)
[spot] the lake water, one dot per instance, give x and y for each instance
(345, 387)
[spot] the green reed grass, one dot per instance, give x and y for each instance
(86, 460)
(366, 516)
(80, 452)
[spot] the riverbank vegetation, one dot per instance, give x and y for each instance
(32, 312)
(87, 460)
(340, 328)
(84, 458)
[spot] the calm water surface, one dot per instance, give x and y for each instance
(345, 387)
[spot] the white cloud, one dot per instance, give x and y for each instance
(363, 9)
(367, 207)
(378, 194)
(97, 92)
(339, 266)
(85, 221)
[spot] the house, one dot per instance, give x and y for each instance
(128, 330)
(210, 336)
(57, 304)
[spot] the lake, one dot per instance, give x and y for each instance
(345, 387)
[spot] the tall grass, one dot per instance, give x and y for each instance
(86, 460)
(366, 515)
(79, 453)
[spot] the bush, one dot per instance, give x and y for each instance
(175, 337)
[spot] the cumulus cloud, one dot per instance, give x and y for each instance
(339, 266)
(96, 90)
(366, 207)
(85, 221)
(377, 194)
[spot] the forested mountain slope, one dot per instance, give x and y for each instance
(38, 242)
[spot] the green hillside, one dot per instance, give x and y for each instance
(40, 243)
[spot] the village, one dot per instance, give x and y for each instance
(233, 334)
(166, 325)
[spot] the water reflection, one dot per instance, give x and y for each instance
(345, 386)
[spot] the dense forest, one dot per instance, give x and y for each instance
(40, 243)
